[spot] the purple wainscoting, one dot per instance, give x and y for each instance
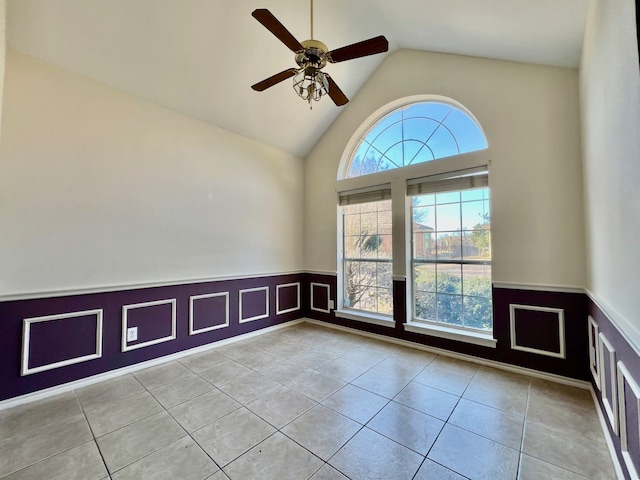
(320, 295)
(288, 298)
(531, 315)
(57, 332)
(154, 322)
(612, 340)
(254, 304)
(537, 329)
(632, 420)
(209, 312)
(65, 339)
(399, 303)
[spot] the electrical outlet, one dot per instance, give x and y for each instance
(132, 334)
(331, 305)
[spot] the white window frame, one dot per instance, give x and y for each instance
(439, 185)
(369, 195)
(375, 117)
(400, 208)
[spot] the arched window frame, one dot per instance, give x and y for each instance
(396, 180)
(369, 123)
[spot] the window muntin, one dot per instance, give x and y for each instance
(451, 258)
(367, 257)
(415, 133)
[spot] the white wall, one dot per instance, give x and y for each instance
(530, 115)
(610, 103)
(3, 49)
(100, 189)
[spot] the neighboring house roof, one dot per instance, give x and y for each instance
(418, 227)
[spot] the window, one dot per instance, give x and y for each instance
(418, 170)
(416, 133)
(451, 254)
(367, 257)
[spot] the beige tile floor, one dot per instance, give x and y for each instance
(309, 402)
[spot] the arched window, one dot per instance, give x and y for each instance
(405, 170)
(415, 133)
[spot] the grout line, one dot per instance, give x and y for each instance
(94, 439)
(524, 428)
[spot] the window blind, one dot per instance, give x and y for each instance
(382, 192)
(461, 180)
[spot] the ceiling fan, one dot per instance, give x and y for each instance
(310, 82)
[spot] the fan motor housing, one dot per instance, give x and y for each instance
(314, 53)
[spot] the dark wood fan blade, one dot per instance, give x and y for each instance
(360, 49)
(335, 93)
(271, 81)
(271, 23)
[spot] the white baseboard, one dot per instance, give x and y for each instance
(84, 382)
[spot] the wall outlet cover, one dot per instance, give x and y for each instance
(132, 334)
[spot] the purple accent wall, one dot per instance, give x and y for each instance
(536, 329)
(320, 298)
(606, 367)
(633, 438)
(12, 313)
(627, 355)
(574, 305)
(254, 304)
(288, 297)
(72, 337)
(209, 312)
(399, 303)
(153, 322)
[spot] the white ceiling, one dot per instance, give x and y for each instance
(199, 57)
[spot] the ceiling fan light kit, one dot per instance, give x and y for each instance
(309, 81)
(311, 84)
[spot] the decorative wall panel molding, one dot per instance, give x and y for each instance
(258, 310)
(96, 339)
(287, 308)
(528, 334)
(130, 311)
(629, 408)
(317, 304)
(608, 382)
(205, 305)
(55, 324)
(594, 351)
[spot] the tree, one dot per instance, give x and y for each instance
(478, 312)
(359, 274)
(420, 214)
(473, 309)
(481, 236)
(367, 281)
(371, 163)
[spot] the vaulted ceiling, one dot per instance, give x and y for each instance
(200, 57)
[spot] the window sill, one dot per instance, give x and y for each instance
(366, 318)
(476, 338)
